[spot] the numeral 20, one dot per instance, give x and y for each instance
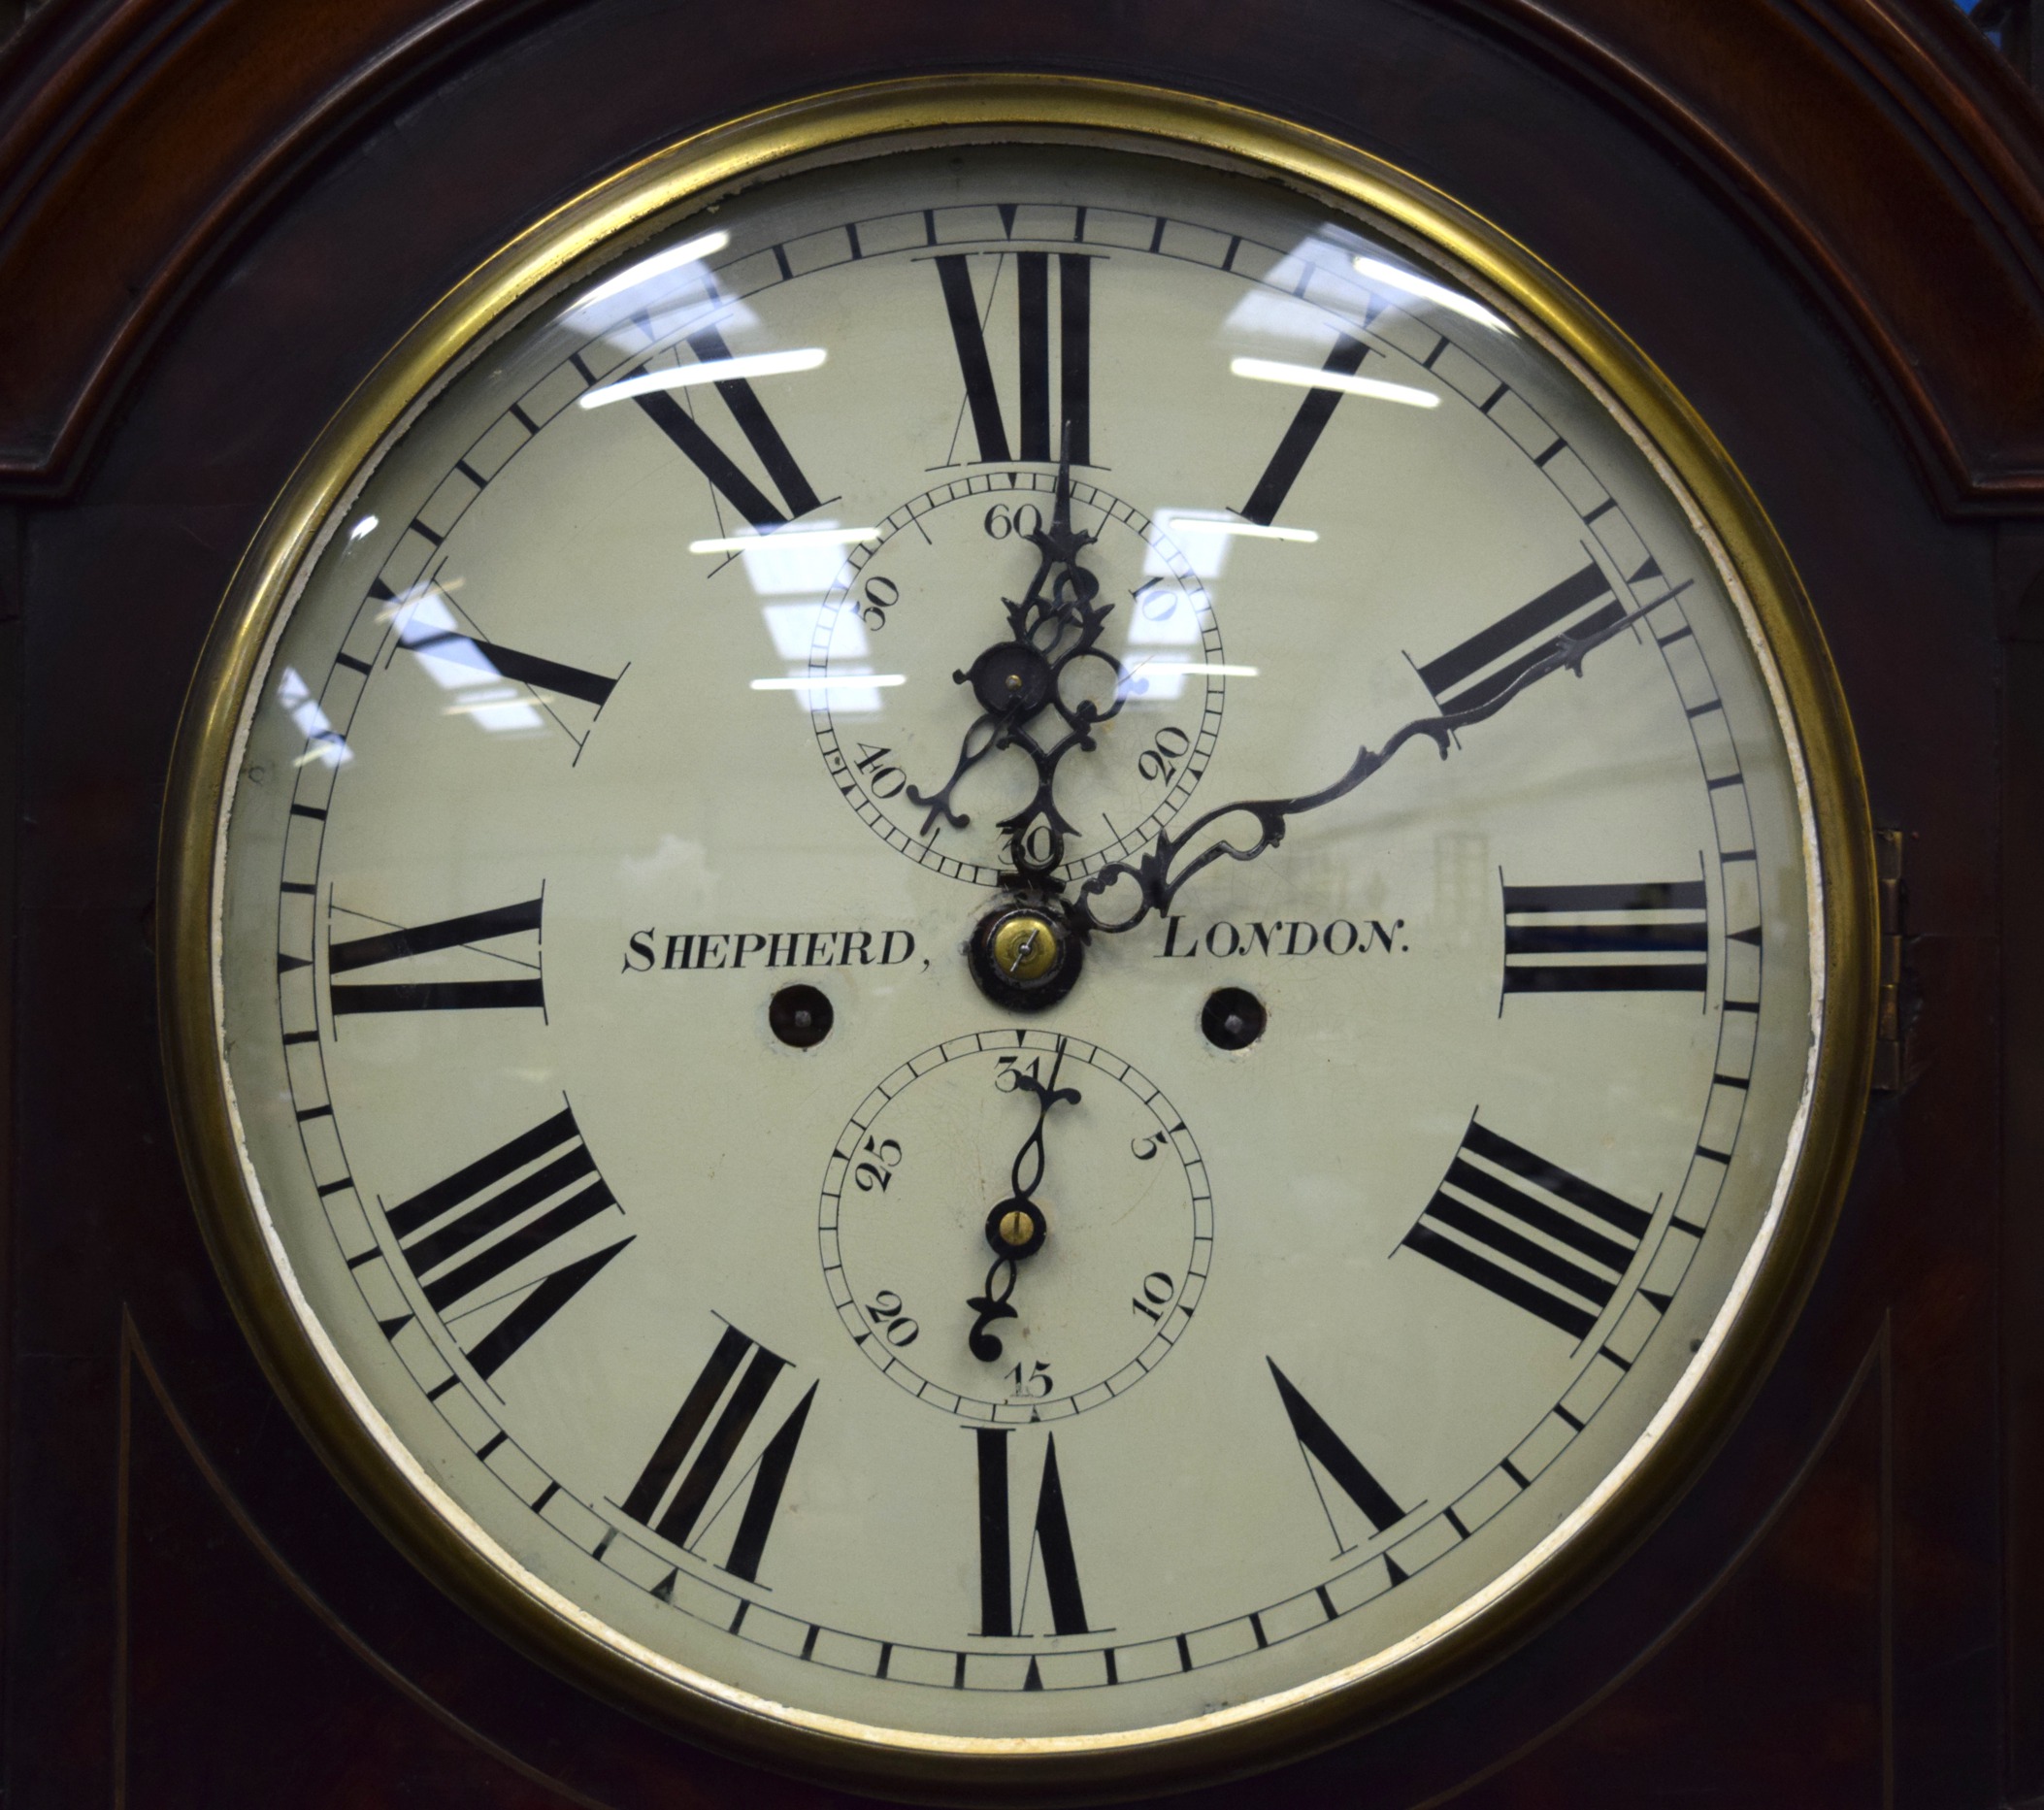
(884, 1310)
(1159, 760)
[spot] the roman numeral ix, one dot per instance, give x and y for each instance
(438, 1230)
(1511, 1222)
(1477, 670)
(1050, 1539)
(1074, 416)
(1651, 936)
(742, 1401)
(434, 995)
(753, 422)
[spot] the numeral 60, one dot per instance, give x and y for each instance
(1024, 519)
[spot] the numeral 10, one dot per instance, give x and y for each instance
(1158, 1288)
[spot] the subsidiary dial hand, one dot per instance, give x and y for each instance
(1159, 875)
(1016, 1228)
(1056, 624)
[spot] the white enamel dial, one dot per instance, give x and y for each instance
(597, 897)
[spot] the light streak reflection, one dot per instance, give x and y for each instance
(716, 371)
(1314, 377)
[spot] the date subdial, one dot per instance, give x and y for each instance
(1119, 1246)
(922, 609)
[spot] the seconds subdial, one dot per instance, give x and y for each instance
(1008, 1287)
(920, 608)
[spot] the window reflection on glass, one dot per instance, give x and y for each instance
(454, 660)
(852, 690)
(297, 699)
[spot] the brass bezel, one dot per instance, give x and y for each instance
(1011, 109)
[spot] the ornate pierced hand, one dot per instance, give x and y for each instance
(1056, 624)
(1159, 875)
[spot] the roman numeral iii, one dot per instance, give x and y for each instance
(1650, 937)
(715, 1452)
(438, 996)
(753, 422)
(1040, 426)
(438, 1230)
(1546, 1241)
(1049, 1541)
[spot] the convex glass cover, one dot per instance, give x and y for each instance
(1015, 942)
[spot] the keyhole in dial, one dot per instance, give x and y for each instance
(799, 1016)
(1233, 1018)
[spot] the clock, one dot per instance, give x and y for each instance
(1020, 939)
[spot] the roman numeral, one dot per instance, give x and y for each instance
(1530, 1231)
(1556, 939)
(714, 1455)
(1319, 1440)
(433, 635)
(437, 1227)
(1477, 670)
(1050, 1539)
(1304, 435)
(434, 995)
(1074, 413)
(753, 422)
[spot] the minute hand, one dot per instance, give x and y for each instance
(1159, 875)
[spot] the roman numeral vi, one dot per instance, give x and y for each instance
(1050, 1538)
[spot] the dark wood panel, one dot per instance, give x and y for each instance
(2020, 603)
(300, 1711)
(1901, 164)
(1880, 140)
(1804, 1620)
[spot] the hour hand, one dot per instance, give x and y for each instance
(980, 740)
(1243, 830)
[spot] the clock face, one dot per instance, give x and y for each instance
(1016, 942)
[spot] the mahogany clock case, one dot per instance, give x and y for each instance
(1821, 220)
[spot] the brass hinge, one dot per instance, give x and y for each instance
(1893, 1065)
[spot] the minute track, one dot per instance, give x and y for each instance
(702, 1592)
